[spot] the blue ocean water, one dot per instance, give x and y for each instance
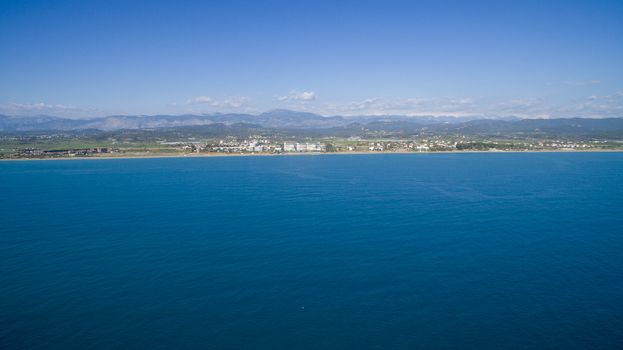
(482, 251)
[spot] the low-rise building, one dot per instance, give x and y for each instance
(289, 147)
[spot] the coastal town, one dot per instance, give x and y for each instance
(21, 148)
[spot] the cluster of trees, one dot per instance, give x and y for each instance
(483, 146)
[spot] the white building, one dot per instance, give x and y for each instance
(301, 147)
(314, 147)
(289, 147)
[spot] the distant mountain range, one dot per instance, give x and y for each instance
(275, 119)
(316, 124)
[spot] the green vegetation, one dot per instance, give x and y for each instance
(185, 140)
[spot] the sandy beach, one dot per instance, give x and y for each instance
(211, 155)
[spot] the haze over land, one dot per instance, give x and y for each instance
(318, 125)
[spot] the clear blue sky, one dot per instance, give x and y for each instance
(92, 58)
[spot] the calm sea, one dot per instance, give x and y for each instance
(481, 251)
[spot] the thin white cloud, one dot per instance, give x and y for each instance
(408, 106)
(56, 109)
(41, 106)
(295, 95)
(592, 106)
(232, 102)
(201, 99)
(596, 106)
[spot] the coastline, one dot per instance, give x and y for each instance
(214, 155)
